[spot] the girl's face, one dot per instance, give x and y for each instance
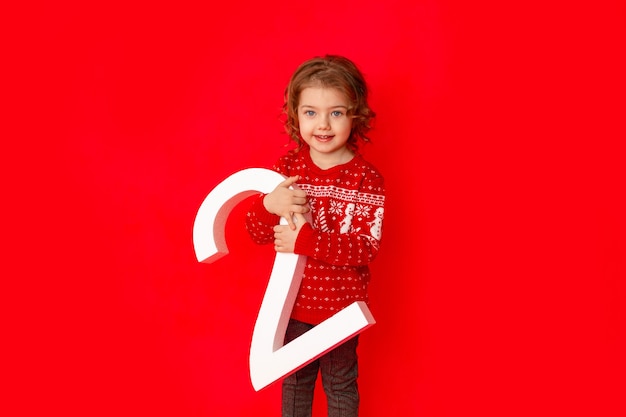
(325, 125)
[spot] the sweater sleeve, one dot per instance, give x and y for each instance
(358, 247)
(350, 249)
(260, 223)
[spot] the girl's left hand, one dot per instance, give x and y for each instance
(285, 237)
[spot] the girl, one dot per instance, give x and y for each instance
(327, 116)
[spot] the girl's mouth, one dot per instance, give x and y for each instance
(324, 138)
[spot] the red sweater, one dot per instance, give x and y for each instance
(347, 206)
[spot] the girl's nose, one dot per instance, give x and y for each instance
(324, 122)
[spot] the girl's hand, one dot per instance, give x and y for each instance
(284, 201)
(285, 237)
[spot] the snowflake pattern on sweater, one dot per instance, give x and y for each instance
(347, 209)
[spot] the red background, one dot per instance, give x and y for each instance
(500, 287)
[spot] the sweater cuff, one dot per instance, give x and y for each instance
(306, 241)
(262, 214)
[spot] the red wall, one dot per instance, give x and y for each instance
(500, 287)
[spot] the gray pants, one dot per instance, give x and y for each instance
(339, 371)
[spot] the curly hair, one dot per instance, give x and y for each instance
(330, 71)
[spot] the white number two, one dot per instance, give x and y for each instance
(270, 359)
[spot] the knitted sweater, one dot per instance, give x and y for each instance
(347, 207)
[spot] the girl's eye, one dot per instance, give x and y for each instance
(309, 113)
(337, 113)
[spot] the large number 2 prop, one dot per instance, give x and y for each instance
(270, 360)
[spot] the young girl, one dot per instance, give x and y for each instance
(327, 115)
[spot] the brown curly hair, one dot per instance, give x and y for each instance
(330, 71)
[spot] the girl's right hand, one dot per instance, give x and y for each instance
(285, 201)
